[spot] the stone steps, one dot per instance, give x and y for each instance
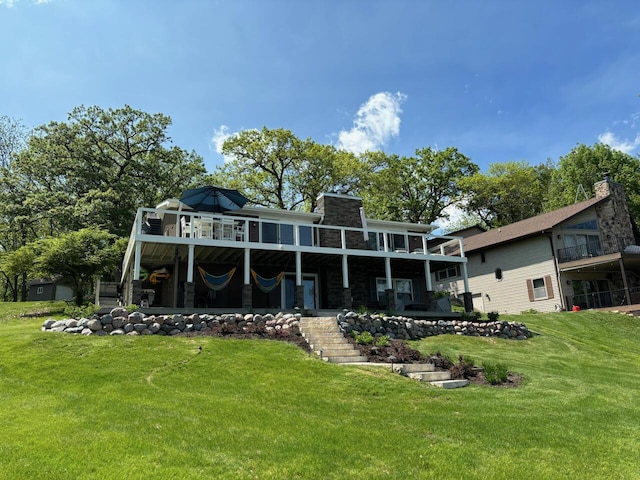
(325, 338)
(426, 372)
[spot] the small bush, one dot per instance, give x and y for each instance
(473, 316)
(84, 311)
(382, 341)
(364, 338)
(495, 373)
(463, 369)
(493, 316)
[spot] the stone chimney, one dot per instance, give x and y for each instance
(613, 215)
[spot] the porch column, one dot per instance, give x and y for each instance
(190, 263)
(346, 291)
(189, 286)
(390, 292)
(247, 292)
(176, 276)
(136, 261)
(427, 275)
(465, 277)
(299, 286)
(624, 282)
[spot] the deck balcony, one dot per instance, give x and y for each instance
(589, 250)
(169, 227)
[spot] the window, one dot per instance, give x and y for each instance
(449, 272)
(402, 286)
(540, 288)
(483, 259)
(40, 291)
(283, 233)
(588, 225)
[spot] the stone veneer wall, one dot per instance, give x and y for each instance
(343, 211)
(613, 216)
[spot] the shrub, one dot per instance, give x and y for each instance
(382, 341)
(84, 311)
(364, 338)
(493, 316)
(463, 369)
(473, 316)
(495, 373)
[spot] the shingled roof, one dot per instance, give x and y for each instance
(526, 228)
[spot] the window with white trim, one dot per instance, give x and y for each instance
(449, 272)
(40, 291)
(403, 288)
(540, 288)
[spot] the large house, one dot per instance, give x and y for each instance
(584, 255)
(254, 258)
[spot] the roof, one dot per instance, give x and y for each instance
(527, 228)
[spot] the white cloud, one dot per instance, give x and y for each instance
(11, 3)
(626, 146)
(217, 140)
(377, 121)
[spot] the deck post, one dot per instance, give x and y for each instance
(427, 275)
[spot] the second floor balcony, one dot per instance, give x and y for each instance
(591, 249)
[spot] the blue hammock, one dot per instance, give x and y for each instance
(266, 284)
(216, 282)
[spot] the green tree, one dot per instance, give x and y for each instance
(79, 257)
(415, 189)
(15, 226)
(276, 169)
(100, 166)
(584, 166)
(508, 192)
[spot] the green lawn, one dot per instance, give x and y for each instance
(77, 407)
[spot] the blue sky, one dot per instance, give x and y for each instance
(499, 80)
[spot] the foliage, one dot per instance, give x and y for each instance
(586, 165)
(382, 341)
(495, 373)
(463, 369)
(364, 338)
(76, 256)
(415, 189)
(493, 316)
(274, 168)
(508, 193)
(98, 168)
(81, 311)
(472, 316)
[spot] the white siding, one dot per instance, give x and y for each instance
(521, 261)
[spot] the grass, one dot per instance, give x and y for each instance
(77, 407)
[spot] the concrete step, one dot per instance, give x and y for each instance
(326, 337)
(430, 376)
(414, 367)
(326, 345)
(354, 359)
(338, 353)
(450, 383)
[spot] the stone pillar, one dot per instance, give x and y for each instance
(430, 300)
(247, 296)
(468, 302)
(189, 294)
(346, 298)
(137, 291)
(391, 299)
(299, 296)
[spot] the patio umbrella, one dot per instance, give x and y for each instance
(213, 199)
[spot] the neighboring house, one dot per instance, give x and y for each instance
(48, 289)
(582, 255)
(261, 258)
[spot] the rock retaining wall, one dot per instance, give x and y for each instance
(121, 322)
(410, 329)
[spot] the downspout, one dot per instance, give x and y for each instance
(555, 266)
